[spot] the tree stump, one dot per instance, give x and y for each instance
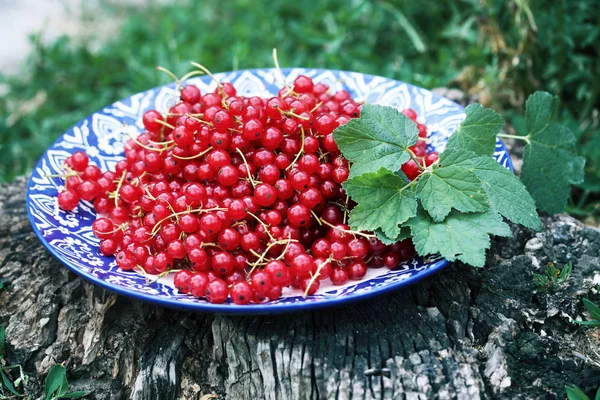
(464, 333)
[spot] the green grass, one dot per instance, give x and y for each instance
(500, 50)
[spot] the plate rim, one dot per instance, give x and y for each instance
(231, 308)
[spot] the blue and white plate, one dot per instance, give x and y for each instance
(68, 235)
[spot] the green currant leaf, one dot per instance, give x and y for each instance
(385, 200)
(505, 192)
(460, 236)
(380, 137)
(451, 185)
(478, 131)
(404, 234)
(550, 164)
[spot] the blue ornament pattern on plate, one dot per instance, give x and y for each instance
(68, 235)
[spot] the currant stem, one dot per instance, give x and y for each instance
(299, 152)
(206, 71)
(150, 281)
(195, 117)
(164, 123)
(319, 104)
(316, 217)
(64, 176)
(276, 62)
(517, 137)
(148, 193)
(166, 71)
(189, 75)
(366, 235)
(346, 209)
(138, 180)
(289, 240)
(247, 167)
(292, 114)
(198, 210)
(166, 142)
(257, 262)
(290, 91)
(315, 276)
(209, 244)
(120, 227)
(193, 157)
(322, 156)
(262, 256)
(138, 268)
(414, 157)
(119, 184)
(263, 224)
(69, 175)
(142, 145)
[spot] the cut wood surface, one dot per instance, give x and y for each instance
(464, 333)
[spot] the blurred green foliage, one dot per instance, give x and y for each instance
(498, 50)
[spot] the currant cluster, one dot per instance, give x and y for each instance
(240, 196)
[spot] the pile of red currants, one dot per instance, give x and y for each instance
(239, 197)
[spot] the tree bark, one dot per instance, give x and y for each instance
(464, 333)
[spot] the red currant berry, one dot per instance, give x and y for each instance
(431, 158)
(229, 239)
(358, 248)
(108, 247)
(338, 250)
(410, 113)
(321, 248)
(223, 121)
(265, 195)
(68, 200)
(190, 94)
(411, 170)
(176, 249)
(299, 215)
(79, 161)
(88, 190)
(198, 284)
(271, 138)
(241, 293)
(303, 84)
(338, 276)
(217, 291)
(278, 272)
(325, 124)
(125, 260)
(163, 262)
(261, 282)
(357, 270)
(303, 265)
(223, 263)
(252, 129)
(181, 280)
(103, 228)
(210, 223)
